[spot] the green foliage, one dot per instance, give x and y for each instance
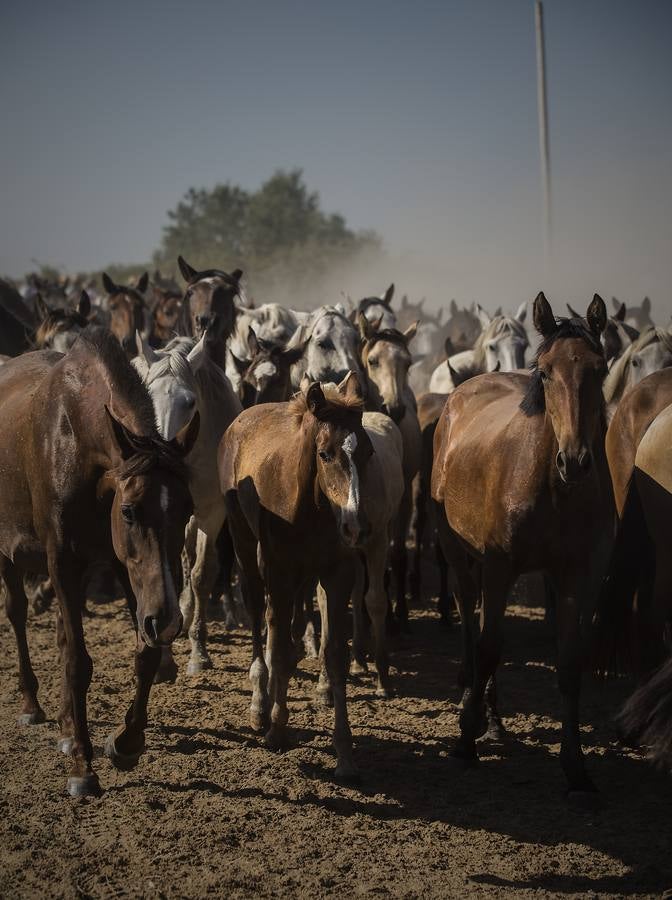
(278, 234)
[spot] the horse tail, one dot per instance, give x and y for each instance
(646, 718)
(632, 558)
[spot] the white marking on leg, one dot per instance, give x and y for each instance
(351, 509)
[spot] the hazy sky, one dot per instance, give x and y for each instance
(417, 119)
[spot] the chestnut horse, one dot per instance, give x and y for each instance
(126, 306)
(386, 359)
(521, 484)
(85, 477)
(292, 475)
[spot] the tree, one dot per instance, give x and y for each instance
(278, 234)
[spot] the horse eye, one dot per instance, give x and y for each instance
(373, 363)
(325, 344)
(325, 456)
(128, 513)
(544, 375)
(635, 362)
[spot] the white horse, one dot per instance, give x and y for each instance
(271, 323)
(500, 346)
(183, 380)
(331, 347)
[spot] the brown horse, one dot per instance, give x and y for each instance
(521, 483)
(165, 315)
(209, 292)
(267, 378)
(126, 305)
(386, 359)
(292, 475)
(85, 477)
(60, 328)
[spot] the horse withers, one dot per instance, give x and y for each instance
(520, 483)
(85, 478)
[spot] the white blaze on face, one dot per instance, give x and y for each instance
(265, 369)
(351, 510)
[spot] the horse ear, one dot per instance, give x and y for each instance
(620, 313)
(597, 315)
(448, 347)
(252, 342)
(185, 439)
(498, 311)
(387, 296)
(364, 326)
(108, 284)
(122, 436)
(188, 272)
(542, 316)
(483, 316)
(521, 312)
(41, 307)
(145, 352)
(453, 308)
(196, 355)
(404, 301)
(143, 281)
(455, 376)
(315, 398)
(84, 305)
(296, 346)
(411, 331)
(615, 303)
(573, 313)
(351, 387)
(237, 274)
(242, 365)
(646, 305)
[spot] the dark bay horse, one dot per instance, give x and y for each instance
(292, 475)
(520, 482)
(85, 478)
(209, 292)
(59, 327)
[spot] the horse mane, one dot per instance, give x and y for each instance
(338, 407)
(615, 380)
(54, 318)
(149, 448)
(391, 335)
(534, 401)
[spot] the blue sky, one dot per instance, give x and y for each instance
(417, 119)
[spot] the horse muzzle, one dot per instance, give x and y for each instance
(574, 468)
(160, 630)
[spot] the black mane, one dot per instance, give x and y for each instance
(534, 402)
(391, 335)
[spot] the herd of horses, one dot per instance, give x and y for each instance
(195, 447)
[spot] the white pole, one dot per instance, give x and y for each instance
(543, 127)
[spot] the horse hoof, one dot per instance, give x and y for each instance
(277, 739)
(196, 666)
(84, 785)
(347, 773)
(496, 732)
(65, 745)
(358, 668)
(122, 761)
(588, 800)
(460, 762)
(166, 675)
(32, 718)
(259, 720)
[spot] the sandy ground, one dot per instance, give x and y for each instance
(209, 811)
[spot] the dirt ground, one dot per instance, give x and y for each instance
(209, 811)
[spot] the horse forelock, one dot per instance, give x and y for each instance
(391, 335)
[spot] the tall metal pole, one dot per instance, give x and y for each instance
(543, 127)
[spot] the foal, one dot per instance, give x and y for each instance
(292, 475)
(126, 306)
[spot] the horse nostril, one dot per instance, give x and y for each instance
(151, 626)
(585, 460)
(561, 462)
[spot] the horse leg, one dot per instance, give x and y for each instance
(376, 606)
(78, 669)
(188, 559)
(203, 577)
(445, 596)
(310, 642)
(359, 630)
(420, 504)
(283, 585)
(16, 604)
(323, 692)
(337, 587)
(400, 554)
(299, 625)
(222, 588)
(474, 717)
(570, 654)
